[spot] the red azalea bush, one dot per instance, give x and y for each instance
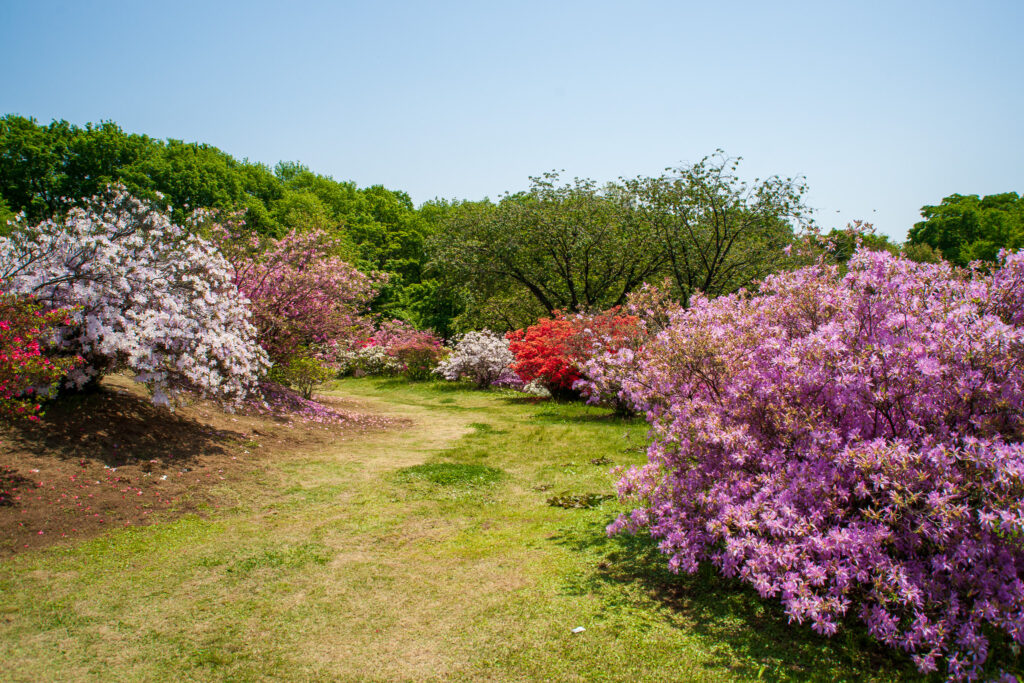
(26, 371)
(853, 446)
(542, 354)
(554, 350)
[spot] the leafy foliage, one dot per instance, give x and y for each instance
(965, 228)
(565, 247)
(717, 232)
(850, 445)
(579, 246)
(302, 372)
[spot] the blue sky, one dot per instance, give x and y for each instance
(882, 106)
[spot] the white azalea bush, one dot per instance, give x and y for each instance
(482, 357)
(150, 298)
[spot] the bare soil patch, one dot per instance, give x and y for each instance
(113, 459)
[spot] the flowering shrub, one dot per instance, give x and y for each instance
(418, 357)
(302, 293)
(415, 352)
(649, 310)
(851, 446)
(601, 343)
(370, 360)
(26, 372)
(394, 347)
(148, 296)
(483, 357)
(554, 350)
(542, 354)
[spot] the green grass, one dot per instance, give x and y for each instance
(450, 474)
(425, 553)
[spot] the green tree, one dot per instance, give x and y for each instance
(965, 228)
(718, 232)
(569, 247)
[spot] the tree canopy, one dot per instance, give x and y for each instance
(965, 228)
(46, 169)
(579, 246)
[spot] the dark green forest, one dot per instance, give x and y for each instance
(462, 264)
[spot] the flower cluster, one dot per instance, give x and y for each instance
(851, 445)
(368, 360)
(27, 371)
(302, 293)
(603, 343)
(616, 349)
(482, 357)
(555, 350)
(415, 352)
(542, 354)
(149, 297)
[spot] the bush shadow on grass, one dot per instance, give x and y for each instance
(755, 630)
(116, 428)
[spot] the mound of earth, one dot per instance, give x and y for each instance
(113, 459)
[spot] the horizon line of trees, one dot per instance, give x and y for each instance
(455, 265)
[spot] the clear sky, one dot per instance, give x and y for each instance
(882, 106)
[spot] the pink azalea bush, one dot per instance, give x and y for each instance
(27, 371)
(851, 446)
(482, 357)
(615, 351)
(302, 293)
(393, 347)
(149, 296)
(416, 352)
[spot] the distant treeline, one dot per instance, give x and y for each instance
(457, 265)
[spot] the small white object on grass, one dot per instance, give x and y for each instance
(579, 629)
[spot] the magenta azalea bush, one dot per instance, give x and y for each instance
(415, 353)
(613, 358)
(851, 446)
(302, 293)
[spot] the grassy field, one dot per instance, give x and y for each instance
(427, 552)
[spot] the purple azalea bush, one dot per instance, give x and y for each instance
(851, 445)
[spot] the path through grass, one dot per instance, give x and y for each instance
(426, 553)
